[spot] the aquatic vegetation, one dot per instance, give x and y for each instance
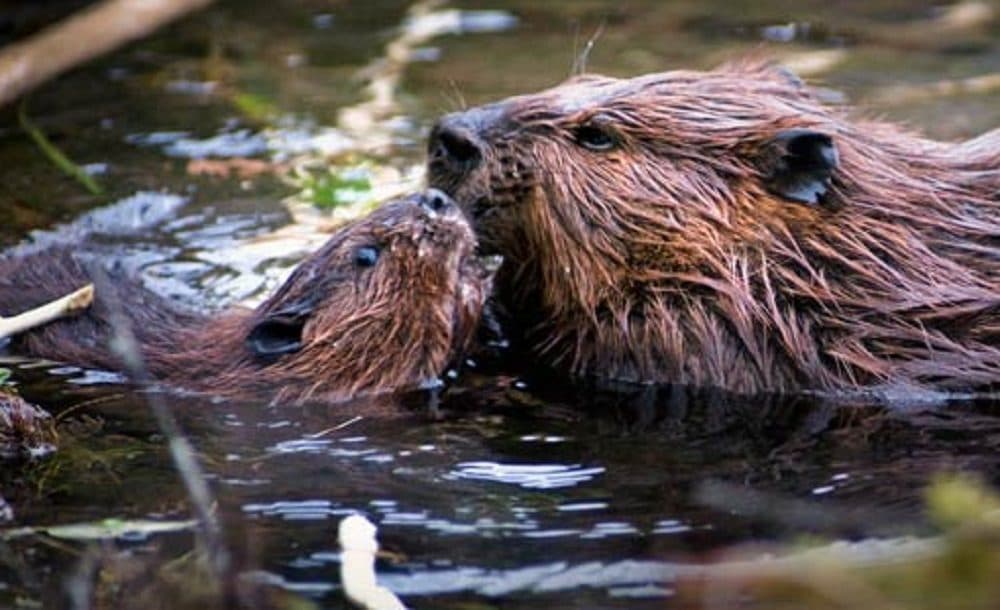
(347, 189)
(55, 155)
(956, 569)
(337, 187)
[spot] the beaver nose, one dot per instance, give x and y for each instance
(436, 201)
(454, 143)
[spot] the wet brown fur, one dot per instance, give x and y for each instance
(24, 428)
(668, 259)
(390, 326)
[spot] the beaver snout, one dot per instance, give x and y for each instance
(455, 145)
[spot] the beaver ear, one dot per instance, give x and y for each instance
(279, 332)
(799, 164)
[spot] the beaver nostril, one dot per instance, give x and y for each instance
(456, 144)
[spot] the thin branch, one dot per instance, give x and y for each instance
(185, 461)
(62, 307)
(82, 37)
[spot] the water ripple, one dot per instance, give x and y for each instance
(303, 510)
(528, 476)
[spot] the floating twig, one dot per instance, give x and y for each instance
(340, 426)
(62, 307)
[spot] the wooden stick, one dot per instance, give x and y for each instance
(82, 37)
(68, 305)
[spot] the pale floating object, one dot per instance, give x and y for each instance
(62, 307)
(356, 535)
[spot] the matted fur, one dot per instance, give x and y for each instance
(24, 428)
(393, 325)
(667, 258)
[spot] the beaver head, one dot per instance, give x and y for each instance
(383, 305)
(726, 228)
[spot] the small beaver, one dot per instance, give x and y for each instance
(727, 229)
(385, 304)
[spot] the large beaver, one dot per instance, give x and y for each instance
(383, 305)
(727, 229)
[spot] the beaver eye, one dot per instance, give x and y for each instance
(594, 137)
(366, 256)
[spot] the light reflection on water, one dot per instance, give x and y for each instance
(294, 511)
(528, 476)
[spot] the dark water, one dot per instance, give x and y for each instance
(528, 493)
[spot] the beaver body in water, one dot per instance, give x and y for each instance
(385, 304)
(727, 229)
